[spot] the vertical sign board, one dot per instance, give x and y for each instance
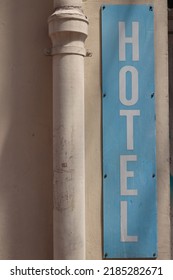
(129, 140)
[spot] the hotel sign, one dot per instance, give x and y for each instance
(129, 132)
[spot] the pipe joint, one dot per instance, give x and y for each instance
(67, 3)
(68, 30)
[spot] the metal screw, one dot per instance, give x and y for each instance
(104, 95)
(105, 176)
(104, 7)
(89, 53)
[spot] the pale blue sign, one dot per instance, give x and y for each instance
(129, 132)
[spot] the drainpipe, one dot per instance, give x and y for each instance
(68, 28)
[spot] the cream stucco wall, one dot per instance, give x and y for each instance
(26, 177)
(25, 130)
(93, 127)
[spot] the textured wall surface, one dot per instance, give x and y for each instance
(25, 131)
(26, 177)
(171, 113)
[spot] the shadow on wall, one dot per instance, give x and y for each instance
(25, 131)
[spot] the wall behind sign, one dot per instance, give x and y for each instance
(25, 131)
(26, 126)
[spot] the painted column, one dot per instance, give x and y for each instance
(68, 28)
